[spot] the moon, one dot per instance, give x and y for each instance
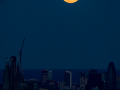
(70, 1)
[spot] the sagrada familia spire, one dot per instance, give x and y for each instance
(11, 77)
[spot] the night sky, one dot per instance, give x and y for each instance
(58, 35)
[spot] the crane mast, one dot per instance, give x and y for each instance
(20, 53)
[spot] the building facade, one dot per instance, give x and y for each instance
(6, 77)
(11, 79)
(94, 79)
(44, 76)
(104, 76)
(49, 74)
(111, 77)
(83, 80)
(68, 78)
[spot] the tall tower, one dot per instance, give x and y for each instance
(111, 77)
(18, 74)
(68, 78)
(94, 78)
(83, 80)
(49, 74)
(6, 77)
(12, 67)
(104, 79)
(15, 80)
(44, 76)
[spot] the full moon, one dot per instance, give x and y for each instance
(70, 1)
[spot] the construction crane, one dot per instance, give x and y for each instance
(20, 53)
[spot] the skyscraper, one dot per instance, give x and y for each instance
(94, 78)
(11, 77)
(12, 67)
(68, 78)
(83, 80)
(104, 79)
(111, 77)
(104, 76)
(6, 77)
(49, 74)
(44, 76)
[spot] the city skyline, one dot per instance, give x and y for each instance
(59, 35)
(103, 81)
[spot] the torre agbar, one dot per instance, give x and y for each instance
(111, 77)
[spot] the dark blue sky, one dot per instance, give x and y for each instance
(58, 35)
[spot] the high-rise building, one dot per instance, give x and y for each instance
(11, 77)
(12, 67)
(104, 76)
(44, 76)
(68, 78)
(15, 83)
(104, 79)
(6, 77)
(49, 74)
(111, 77)
(94, 78)
(83, 80)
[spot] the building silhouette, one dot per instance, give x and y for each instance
(6, 77)
(94, 79)
(104, 76)
(49, 74)
(12, 71)
(44, 76)
(83, 80)
(11, 77)
(68, 78)
(111, 77)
